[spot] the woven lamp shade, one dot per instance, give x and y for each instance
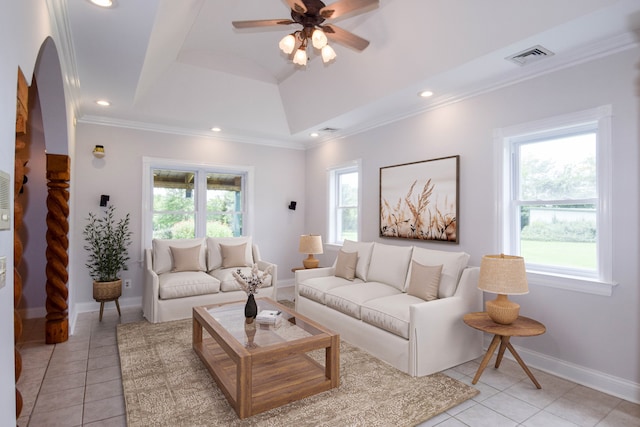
(310, 244)
(503, 275)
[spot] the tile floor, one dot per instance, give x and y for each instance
(78, 383)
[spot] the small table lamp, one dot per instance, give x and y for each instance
(310, 244)
(503, 275)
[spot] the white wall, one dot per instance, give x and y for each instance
(23, 27)
(593, 339)
(279, 178)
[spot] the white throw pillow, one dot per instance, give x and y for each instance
(452, 265)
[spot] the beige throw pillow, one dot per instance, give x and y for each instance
(425, 281)
(346, 264)
(186, 259)
(233, 255)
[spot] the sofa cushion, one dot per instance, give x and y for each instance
(364, 256)
(316, 288)
(229, 283)
(348, 299)
(162, 259)
(214, 253)
(186, 259)
(389, 264)
(452, 265)
(187, 283)
(234, 255)
(424, 281)
(390, 313)
(346, 264)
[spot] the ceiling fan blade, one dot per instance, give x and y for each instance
(297, 6)
(342, 7)
(261, 23)
(345, 37)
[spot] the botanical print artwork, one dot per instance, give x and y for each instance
(420, 200)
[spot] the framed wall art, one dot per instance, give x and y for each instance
(420, 200)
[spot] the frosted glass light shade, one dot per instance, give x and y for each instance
(287, 44)
(300, 57)
(318, 38)
(328, 54)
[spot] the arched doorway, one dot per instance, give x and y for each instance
(45, 96)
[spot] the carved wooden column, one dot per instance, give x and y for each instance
(58, 175)
(22, 113)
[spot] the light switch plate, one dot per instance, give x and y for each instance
(3, 271)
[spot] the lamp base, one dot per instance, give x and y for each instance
(311, 262)
(502, 311)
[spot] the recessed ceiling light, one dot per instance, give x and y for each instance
(102, 3)
(314, 134)
(103, 102)
(216, 129)
(425, 94)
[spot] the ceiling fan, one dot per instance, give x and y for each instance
(312, 14)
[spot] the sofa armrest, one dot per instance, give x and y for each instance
(151, 289)
(310, 273)
(438, 325)
(262, 266)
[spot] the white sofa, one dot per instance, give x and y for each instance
(183, 273)
(378, 311)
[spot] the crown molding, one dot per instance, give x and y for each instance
(153, 127)
(584, 54)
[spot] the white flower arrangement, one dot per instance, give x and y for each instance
(252, 283)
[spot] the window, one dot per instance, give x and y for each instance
(187, 201)
(555, 196)
(344, 203)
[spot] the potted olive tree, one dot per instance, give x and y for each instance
(108, 241)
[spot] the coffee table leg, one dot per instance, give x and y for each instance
(487, 357)
(521, 362)
(332, 362)
(244, 385)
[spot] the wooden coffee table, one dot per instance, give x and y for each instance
(259, 367)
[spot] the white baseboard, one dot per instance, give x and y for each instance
(88, 307)
(601, 381)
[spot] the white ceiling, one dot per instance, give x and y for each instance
(179, 65)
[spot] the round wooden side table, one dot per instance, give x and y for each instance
(522, 327)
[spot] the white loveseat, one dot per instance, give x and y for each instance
(378, 311)
(183, 273)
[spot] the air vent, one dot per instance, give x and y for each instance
(329, 130)
(533, 54)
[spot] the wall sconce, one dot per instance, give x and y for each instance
(98, 151)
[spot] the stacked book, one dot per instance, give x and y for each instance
(268, 316)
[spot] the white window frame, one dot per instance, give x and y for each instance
(601, 283)
(333, 198)
(151, 163)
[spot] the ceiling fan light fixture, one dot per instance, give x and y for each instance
(318, 38)
(102, 3)
(328, 54)
(300, 58)
(287, 44)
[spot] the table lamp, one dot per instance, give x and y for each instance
(310, 244)
(503, 275)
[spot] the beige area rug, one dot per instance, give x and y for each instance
(166, 384)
